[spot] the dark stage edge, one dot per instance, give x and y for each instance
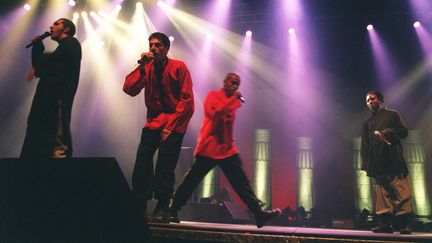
(188, 231)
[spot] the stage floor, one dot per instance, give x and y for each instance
(188, 231)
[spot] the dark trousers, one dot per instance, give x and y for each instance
(147, 181)
(48, 132)
(232, 168)
(38, 144)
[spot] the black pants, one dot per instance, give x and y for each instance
(160, 183)
(48, 132)
(233, 170)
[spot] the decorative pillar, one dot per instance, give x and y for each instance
(415, 157)
(262, 173)
(210, 184)
(362, 191)
(305, 192)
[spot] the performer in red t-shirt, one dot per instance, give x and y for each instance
(216, 148)
(170, 105)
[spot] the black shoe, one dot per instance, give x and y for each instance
(383, 228)
(263, 216)
(405, 228)
(162, 217)
(160, 213)
(174, 217)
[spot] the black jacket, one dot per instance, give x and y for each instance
(378, 157)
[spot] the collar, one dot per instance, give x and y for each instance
(379, 111)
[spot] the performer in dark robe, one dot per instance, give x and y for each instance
(48, 132)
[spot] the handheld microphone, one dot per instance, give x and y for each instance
(144, 60)
(377, 133)
(41, 37)
(242, 99)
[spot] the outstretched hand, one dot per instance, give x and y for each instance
(164, 134)
(31, 74)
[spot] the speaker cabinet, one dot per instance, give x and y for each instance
(343, 223)
(224, 212)
(237, 212)
(67, 200)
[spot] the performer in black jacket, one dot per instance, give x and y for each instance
(382, 159)
(48, 127)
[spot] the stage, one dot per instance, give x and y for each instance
(189, 231)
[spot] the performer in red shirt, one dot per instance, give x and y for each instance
(170, 105)
(216, 147)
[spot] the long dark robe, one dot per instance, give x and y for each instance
(49, 120)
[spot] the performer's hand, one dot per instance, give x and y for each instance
(378, 133)
(31, 74)
(146, 57)
(36, 38)
(164, 134)
(237, 94)
(381, 136)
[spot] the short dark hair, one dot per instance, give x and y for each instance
(378, 94)
(162, 38)
(69, 24)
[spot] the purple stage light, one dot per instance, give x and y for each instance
(416, 24)
(291, 31)
(369, 27)
(249, 33)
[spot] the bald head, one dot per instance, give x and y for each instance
(232, 76)
(231, 83)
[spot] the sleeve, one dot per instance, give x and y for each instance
(364, 149)
(398, 131)
(185, 107)
(215, 107)
(134, 81)
(37, 51)
(58, 62)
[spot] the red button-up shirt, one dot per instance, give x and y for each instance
(216, 135)
(169, 101)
